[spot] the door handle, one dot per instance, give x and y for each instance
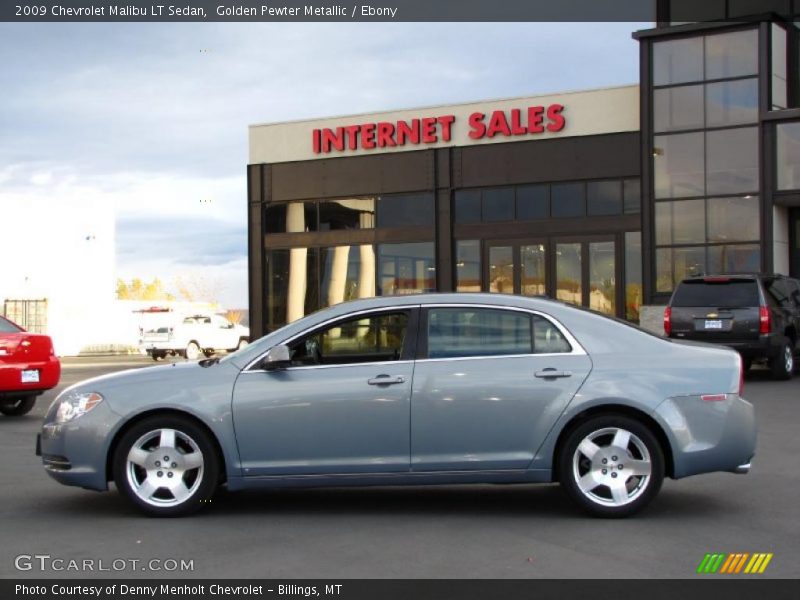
(385, 380)
(552, 374)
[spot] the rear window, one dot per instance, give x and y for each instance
(8, 327)
(733, 293)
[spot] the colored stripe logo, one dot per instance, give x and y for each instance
(736, 563)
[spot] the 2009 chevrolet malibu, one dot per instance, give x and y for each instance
(431, 389)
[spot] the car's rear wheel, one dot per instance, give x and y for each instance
(782, 365)
(192, 351)
(611, 466)
(167, 466)
(16, 407)
(159, 355)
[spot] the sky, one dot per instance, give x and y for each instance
(152, 118)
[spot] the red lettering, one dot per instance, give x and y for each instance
(352, 136)
(406, 132)
(477, 126)
(557, 120)
(385, 133)
(516, 122)
(446, 121)
(429, 130)
(315, 141)
(329, 138)
(498, 124)
(368, 136)
(535, 117)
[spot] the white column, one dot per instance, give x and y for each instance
(298, 265)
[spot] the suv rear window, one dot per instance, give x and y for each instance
(731, 293)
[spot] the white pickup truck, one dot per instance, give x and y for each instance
(193, 336)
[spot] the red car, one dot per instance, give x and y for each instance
(28, 367)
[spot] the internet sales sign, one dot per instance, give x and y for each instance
(530, 121)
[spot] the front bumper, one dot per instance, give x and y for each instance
(74, 453)
(708, 436)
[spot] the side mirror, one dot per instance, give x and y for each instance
(277, 357)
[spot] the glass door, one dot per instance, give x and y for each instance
(585, 272)
(519, 267)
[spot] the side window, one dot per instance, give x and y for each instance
(547, 339)
(779, 291)
(370, 338)
(461, 332)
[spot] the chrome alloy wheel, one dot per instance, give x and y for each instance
(164, 467)
(612, 467)
(788, 357)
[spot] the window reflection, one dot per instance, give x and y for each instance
(732, 54)
(406, 268)
(679, 164)
(290, 217)
(468, 266)
(501, 269)
(534, 270)
(568, 273)
(412, 210)
(352, 213)
(633, 275)
(788, 155)
(733, 219)
(602, 283)
(732, 102)
(348, 273)
(732, 161)
(740, 258)
(292, 285)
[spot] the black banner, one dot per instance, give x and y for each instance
(734, 588)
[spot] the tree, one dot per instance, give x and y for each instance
(138, 290)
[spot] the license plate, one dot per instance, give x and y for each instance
(31, 376)
(715, 324)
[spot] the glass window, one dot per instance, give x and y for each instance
(568, 273)
(468, 206)
(730, 293)
(633, 275)
(290, 217)
(732, 163)
(681, 222)
(779, 70)
(406, 268)
(547, 339)
(460, 332)
(568, 199)
(788, 155)
(678, 61)
(347, 213)
(678, 108)
(498, 204)
(366, 339)
(732, 102)
(740, 258)
(533, 202)
(679, 165)
(604, 197)
(733, 219)
(534, 270)
(632, 194)
(782, 290)
(468, 266)
(292, 285)
(664, 270)
(732, 54)
(602, 277)
(501, 269)
(348, 273)
(413, 210)
(675, 264)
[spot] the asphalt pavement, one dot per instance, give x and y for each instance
(477, 531)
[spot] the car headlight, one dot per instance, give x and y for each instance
(76, 405)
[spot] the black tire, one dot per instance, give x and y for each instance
(158, 355)
(192, 351)
(782, 365)
(201, 482)
(636, 492)
(16, 407)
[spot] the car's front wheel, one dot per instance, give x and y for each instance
(611, 465)
(167, 466)
(16, 407)
(192, 351)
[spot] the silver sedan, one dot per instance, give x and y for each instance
(429, 389)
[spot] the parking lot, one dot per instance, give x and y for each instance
(451, 532)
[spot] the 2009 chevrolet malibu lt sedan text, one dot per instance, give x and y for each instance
(429, 389)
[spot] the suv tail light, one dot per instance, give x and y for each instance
(764, 320)
(667, 321)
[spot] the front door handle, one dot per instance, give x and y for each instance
(552, 374)
(385, 380)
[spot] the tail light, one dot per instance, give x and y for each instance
(764, 320)
(667, 321)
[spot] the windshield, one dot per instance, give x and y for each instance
(731, 293)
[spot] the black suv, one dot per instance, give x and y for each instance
(758, 315)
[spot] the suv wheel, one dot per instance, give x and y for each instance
(167, 466)
(782, 365)
(611, 465)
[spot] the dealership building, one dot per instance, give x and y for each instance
(603, 198)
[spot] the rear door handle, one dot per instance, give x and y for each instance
(552, 374)
(385, 380)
